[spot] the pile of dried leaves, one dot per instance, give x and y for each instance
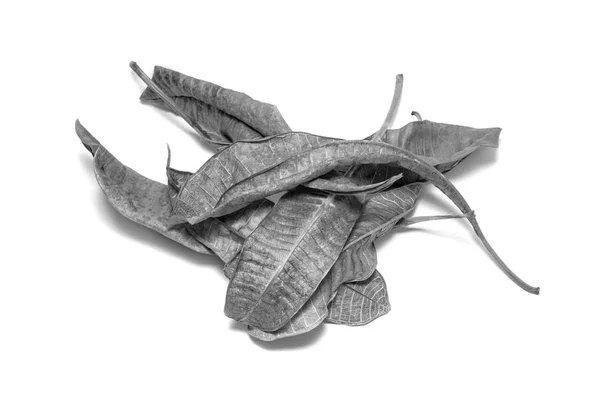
(310, 257)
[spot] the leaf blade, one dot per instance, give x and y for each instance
(290, 242)
(134, 196)
(231, 114)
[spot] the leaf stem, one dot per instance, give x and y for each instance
(417, 115)
(393, 109)
(168, 101)
(417, 220)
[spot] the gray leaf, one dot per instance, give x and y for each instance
(248, 171)
(148, 203)
(227, 182)
(287, 256)
(134, 196)
(357, 262)
(440, 145)
(337, 183)
(359, 303)
(230, 115)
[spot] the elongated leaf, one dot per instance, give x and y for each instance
(148, 203)
(225, 183)
(240, 165)
(359, 303)
(287, 256)
(134, 196)
(229, 115)
(440, 145)
(235, 177)
(356, 263)
(342, 184)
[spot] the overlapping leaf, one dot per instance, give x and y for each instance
(359, 303)
(357, 261)
(227, 115)
(287, 256)
(248, 171)
(440, 145)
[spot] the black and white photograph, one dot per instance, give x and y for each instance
(304, 200)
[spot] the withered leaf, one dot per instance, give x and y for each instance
(227, 182)
(147, 202)
(134, 196)
(287, 256)
(228, 115)
(359, 303)
(441, 145)
(357, 261)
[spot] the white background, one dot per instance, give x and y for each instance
(94, 307)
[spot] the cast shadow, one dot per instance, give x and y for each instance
(476, 162)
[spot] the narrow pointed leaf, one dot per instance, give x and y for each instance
(134, 196)
(342, 184)
(230, 115)
(226, 183)
(248, 171)
(359, 303)
(147, 202)
(441, 145)
(287, 256)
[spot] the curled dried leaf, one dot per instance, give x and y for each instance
(230, 116)
(134, 196)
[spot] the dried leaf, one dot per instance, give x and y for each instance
(148, 203)
(240, 166)
(248, 171)
(287, 256)
(227, 181)
(134, 196)
(359, 303)
(441, 145)
(357, 262)
(337, 183)
(231, 116)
